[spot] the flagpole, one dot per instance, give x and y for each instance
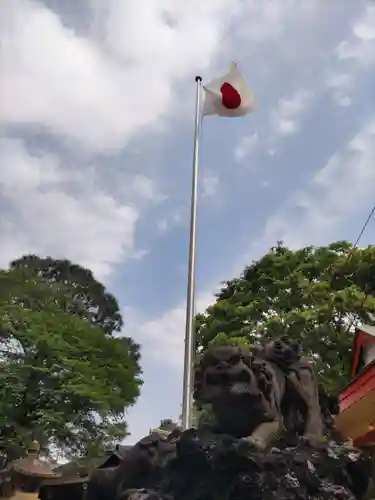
(188, 383)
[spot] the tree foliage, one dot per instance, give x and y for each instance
(64, 379)
(314, 295)
(90, 298)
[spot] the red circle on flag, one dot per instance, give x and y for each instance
(230, 97)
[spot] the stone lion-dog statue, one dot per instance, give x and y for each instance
(257, 396)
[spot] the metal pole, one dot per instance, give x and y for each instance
(187, 398)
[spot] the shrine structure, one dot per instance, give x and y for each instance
(356, 419)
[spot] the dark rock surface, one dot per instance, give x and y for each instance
(205, 466)
(273, 437)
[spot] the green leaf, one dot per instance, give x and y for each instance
(64, 379)
(312, 295)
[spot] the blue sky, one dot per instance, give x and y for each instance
(97, 104)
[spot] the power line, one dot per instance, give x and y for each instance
(357, 240)
(351, 253)
(364, 226)
(331, 270)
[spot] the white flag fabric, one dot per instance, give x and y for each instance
(228, 95)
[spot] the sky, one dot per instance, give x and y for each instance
(96, 135)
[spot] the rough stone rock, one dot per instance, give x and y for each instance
(205, 466)
(272, 439)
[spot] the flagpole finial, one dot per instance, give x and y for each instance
(198, 78)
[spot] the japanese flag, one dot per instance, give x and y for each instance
(228, 95)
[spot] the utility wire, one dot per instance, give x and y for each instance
(364, 226)
(332, 273)
(351, 253)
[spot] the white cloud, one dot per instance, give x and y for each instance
(162, 342)
(358, 49)
(209, 184)
(123, 74)
(39, 216)
(246, 146)
(20, 171)
(361, 44)
(162, 338)
(145, 187)
(277, 21)
(342, 81)
(163, 225)
(287, 117)
(174, 219)
(101, 89)
(343, 187)
(287, 127)
(344, 101)
(341, 85)
(365, 27)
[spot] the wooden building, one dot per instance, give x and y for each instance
(356, 419)
(114, 457)
(75, 476)
(64, 488)
(21, 478)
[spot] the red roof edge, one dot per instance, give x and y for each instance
(366, 440)
(360, 337)
(361, 385)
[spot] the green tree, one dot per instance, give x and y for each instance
(64, 380)
(91, 300)
(313, 295)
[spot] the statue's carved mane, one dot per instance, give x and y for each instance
(291, 397)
